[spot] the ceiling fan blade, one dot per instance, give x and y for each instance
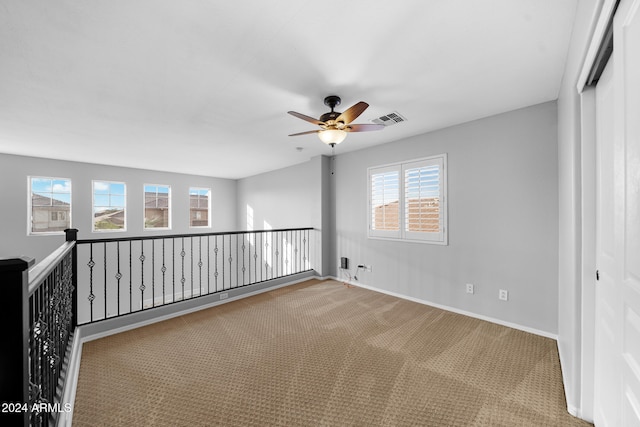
(363, 128)
(307, 118)
(305, 133)
(352, 113)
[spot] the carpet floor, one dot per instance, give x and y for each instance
(319, 353)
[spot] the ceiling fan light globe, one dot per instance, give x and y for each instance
(332, 136)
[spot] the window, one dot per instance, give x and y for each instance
(157, 206)
(109, 201)
(407, 200)
(199, 207)
(49, 205)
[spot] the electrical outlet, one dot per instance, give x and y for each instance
(367, 268)
(224, 295)
(503, 294)
(470, 288)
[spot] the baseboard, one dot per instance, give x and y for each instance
(453, 309)
(108, 327)
(65, 419)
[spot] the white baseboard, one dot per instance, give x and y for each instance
(452, 309)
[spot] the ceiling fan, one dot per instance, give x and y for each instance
(334, 125)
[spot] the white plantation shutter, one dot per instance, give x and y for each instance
(423, 196)
(384, 206)
(407, 201)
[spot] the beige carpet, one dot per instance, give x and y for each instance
(321, 354)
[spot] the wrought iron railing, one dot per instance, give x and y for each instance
(126, 275)
(85, 281)
(40, 317)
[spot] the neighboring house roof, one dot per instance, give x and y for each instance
(40, 200)
(151, 200)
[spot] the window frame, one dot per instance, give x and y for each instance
(144, 207)
(383, 234)
(434, 238)
(208, 207)
(30, 231)
(93, 206)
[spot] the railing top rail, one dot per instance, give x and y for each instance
(39, 272)
(177, 236)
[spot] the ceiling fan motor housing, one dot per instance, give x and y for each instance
(329, 116)
(332, 101)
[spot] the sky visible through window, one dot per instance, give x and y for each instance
(109, 200)
(55, 189)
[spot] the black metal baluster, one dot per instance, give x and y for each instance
(130, 277)
(200, 265)
(255, 256)
(191, 258)
(305, 246)
(237, 262)
(265, 255)
(142, 286)
(276, 264)
(289, 261)
(118, 274)
(164, 270)
(243, 255)
(91, 296)
(230, 266)
(182, 279)
(297, 252)
(104, 256)
(208, 265)
(153, 273)
(173, 269)
(215, 251)
(223, 262)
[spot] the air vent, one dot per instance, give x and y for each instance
(389, 119)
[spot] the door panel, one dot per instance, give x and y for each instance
(630, 245)
(617, 340)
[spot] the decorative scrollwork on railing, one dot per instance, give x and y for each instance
(199, 264)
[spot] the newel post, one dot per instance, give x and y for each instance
(72, 236)
(14, 318)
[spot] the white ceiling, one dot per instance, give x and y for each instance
(203, 86)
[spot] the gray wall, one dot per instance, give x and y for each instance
(296, 196)
(285, 198)
(503, 213)
(503, 219)
(14, 171)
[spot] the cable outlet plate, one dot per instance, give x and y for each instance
(503, 294)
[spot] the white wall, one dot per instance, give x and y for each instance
(503, 219)
(14, 171)
(579, 393)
